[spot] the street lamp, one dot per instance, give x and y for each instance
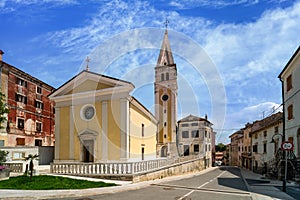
(285, 157)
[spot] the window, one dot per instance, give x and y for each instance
(1, 143)
(143, 130)
(289, 84)
(18, 155)
(194, 124)
(186, 150)
(265, 133)
(195, 133)
(38, 126)
(38, 90)
(276, 129)
(165, 124)
(167, 76)
(265, 147)
(38, 143)
(20, 141)
(185, 125)
(143, 153)
(245, 149)
(20, 123)
(185, 134)
(205, 133)
(290, 112)
(196, 148)
(255, 148)
(255, 136)
(291, 140)
(21, 98)
(162, 77)
(21, 82)
(38, 104)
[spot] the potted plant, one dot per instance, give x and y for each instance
(4, 171)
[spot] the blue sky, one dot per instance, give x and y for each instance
(228, 52)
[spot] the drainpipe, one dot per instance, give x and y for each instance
(283, 134)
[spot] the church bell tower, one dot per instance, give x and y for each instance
(165, 93)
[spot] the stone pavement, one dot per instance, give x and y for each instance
(262, 188)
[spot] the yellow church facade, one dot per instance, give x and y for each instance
(97, 120)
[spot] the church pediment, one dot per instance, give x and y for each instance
(89, 83)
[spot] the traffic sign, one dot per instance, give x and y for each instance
(287, 146)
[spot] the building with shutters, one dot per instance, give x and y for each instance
(30, 121)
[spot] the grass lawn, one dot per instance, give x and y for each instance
(44, 182)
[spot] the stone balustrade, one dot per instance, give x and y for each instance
(14, 167)
(108, 168)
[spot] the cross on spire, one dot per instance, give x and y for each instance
(166, 23)
(87, 60)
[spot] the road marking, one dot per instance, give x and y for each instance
(205, 189)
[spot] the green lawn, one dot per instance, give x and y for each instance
(44, 182)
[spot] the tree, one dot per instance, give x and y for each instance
(220, 147)
(3, 155)
(3, 109)
(31, 165)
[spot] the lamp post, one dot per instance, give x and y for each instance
(285, 157)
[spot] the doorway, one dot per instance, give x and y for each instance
(88, 151)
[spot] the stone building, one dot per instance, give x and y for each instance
(30, 121)
(195, 137)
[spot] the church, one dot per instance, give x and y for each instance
(97, 120)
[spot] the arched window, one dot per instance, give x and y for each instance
(167, 76)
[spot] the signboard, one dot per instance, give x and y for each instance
(287, 146)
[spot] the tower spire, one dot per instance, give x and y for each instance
(166, 23)
(87, 60)
(165, 56)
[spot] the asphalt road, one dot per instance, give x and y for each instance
(221, 183)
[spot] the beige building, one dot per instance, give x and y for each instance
(263, 151)
(98, 120)
(291, 101)
(247, 147)
(236, 144)
(195, 137)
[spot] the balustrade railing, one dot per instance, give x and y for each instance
(15, 167)
(117, 168)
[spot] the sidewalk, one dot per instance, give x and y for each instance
(262, 188)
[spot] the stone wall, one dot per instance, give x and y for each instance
(187, 167)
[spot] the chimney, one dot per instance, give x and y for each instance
(1, 53)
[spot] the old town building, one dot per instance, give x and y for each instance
(263, 151)
(236, 143)
(289, 78)
(195, 137)
(30, 121)
(247, 147)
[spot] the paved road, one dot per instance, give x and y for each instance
(221, 183)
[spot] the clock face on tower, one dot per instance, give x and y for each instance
(88, 112)
(165, 97)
